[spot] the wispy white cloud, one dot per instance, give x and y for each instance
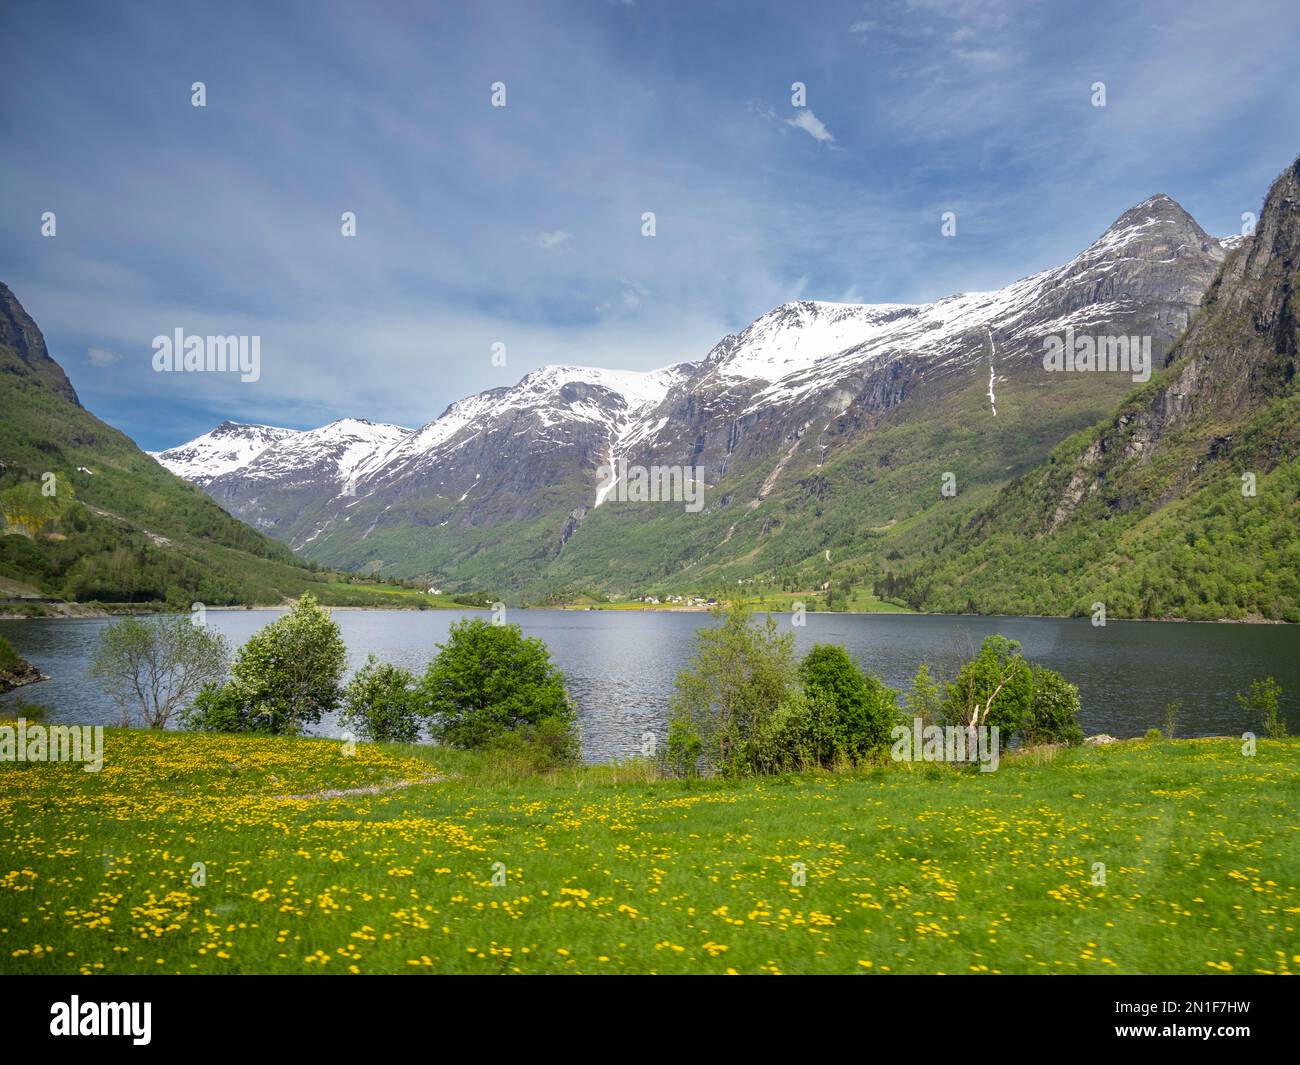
(102, 357)
(553, 238)
(805, 120)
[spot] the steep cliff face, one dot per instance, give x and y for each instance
(21, 335)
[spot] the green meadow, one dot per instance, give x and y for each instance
(217, 854)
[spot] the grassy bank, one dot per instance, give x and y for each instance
(908, 869)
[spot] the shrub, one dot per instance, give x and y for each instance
(543, 747)
(10, 660)
(862, 709)
(488, 680)
(684, 748)
(1053, 711)
(1171, 719)
(380, 703)
(153, 667)
(1154, 734)
(740, 673)
(287, 676)
(803, 732)
(1261, 703)
(219, 708)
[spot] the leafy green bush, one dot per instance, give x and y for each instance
(740, 673)
(33, 713)
(1261, 703)
(1154, 734)
(287, 676)
(1053, 711)
(543, 747)
(684, 748)
(804, 732)
(10, 660)
(863, 709)
(489, 680)
(381, 703)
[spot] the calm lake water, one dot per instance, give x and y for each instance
(619, 667)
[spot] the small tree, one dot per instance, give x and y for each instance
(996, 687)
(1261, 703)
(740, 673)
(154, 667)
(1171, 719)
(380, 703)
(863, 708)
(287, 676)
(489, 680)
(925, 700)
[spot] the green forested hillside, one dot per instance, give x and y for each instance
(1209, 553)
(87, 516)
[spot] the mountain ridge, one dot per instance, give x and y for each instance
(813, 428)
(761, 355)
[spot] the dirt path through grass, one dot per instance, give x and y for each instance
(373, 789)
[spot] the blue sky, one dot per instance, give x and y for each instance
(522, 225)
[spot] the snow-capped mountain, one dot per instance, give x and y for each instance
(760, 392)
(554, 397)
(230, 446)
(269, 477)
(802, 383)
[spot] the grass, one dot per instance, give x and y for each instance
(607, 869)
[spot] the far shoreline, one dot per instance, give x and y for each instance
(83, 612)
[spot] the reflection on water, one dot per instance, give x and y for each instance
(619, 666)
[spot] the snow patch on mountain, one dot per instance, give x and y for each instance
(228, 447)
(796, 336)
(342, 448)
(339, 450)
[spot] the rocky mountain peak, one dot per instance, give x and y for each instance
(1157, 219)
(19, 332)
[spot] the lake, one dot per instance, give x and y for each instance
(619, 666)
